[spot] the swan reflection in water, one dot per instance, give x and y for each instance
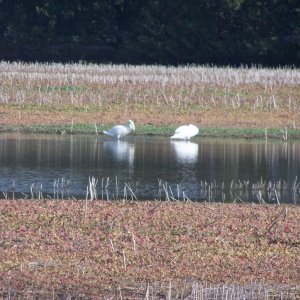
(186, 151)
(121, 151)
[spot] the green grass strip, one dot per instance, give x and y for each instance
(272, 133)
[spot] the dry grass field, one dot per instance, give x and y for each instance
(48, 94)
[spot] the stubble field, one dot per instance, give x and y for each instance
(209, 97)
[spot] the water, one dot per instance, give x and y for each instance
(147, 168)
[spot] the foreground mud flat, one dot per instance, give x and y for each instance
(92, 248)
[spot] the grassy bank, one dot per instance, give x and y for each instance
(104, 248)
(149, 130)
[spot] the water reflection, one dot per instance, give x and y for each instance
(120, 150)
(149, 168)
(186, 151)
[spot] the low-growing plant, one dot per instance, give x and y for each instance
(66, 246)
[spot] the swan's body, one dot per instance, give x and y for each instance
(119, 131)
(185, 132)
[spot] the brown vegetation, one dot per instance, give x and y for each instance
(159, 116)
(63, 246)
(40, 94)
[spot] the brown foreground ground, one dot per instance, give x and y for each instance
(88, 250)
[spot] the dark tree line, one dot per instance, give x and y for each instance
(174, 32)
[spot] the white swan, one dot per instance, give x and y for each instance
(185, 132)
(119, 131)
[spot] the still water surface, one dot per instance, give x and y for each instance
(204, 169)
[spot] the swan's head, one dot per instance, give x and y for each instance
(130, 124)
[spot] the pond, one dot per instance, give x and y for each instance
(147, 168)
